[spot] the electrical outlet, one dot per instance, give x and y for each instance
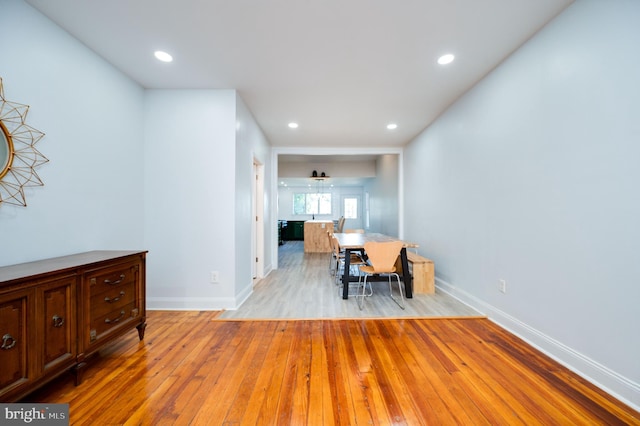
(502, 286)
(214, 278)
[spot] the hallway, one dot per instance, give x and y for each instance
(303, 288)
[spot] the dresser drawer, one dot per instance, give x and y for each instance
(115, 277)
(113, 299)
(112, 320)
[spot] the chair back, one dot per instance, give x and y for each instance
(354, 231)
(383, 255)
(335, 245)
(340, 224)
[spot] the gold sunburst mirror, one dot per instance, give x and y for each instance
(18, 155)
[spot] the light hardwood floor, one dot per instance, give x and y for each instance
(302, 287)
(194, 369)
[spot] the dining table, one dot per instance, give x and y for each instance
(354, 243)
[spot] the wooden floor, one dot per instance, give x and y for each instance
(302, 287)
(194, 369)
(379, 366)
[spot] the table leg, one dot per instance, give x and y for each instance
(346, 274)
(406, 275)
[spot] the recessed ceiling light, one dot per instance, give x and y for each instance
(446, 59)
(293, 125)
(162, 56)
(392, 126)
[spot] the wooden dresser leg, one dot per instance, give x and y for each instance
(141, 328)
(78, 372)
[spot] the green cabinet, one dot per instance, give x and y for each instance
(293, 230)
(297, 229)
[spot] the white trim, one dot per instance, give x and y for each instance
(241, 298)
(189, 303)
(267, 270)
(199, 303)
(258, 211)
(608, 380)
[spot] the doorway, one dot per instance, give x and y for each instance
(351, 209)
(388, 169)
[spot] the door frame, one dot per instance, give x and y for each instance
(258, 213)
(360, 220)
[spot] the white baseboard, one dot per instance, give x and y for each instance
(608, 380)
(248, 292)
(199, 303)
(242, 297)
(189, 303)
(267, 270)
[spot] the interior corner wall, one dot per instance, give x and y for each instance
(251, 144)
(93, 182)
(128, 168)
(190, 180)
(532, 177)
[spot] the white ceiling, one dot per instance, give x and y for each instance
(342, 69)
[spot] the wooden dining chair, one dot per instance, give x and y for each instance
(354, 231)
(382, 261)
(354, 260)
(333, 260)
(336, 255)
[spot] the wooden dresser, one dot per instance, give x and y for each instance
(55, 313)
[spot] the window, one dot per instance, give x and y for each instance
(312, 203)
(350, 208)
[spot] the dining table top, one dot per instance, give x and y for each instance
(357, 240)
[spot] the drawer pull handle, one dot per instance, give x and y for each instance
(118, 281)
(8, 341)
(109, 321)
(115, 299)
(58, 321)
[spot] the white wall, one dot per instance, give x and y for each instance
(251, 144)
(93, 182)
(200, 146)
(189, 190)
(532, 177)
(384, 196)
(340, 169)
(131, 169)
